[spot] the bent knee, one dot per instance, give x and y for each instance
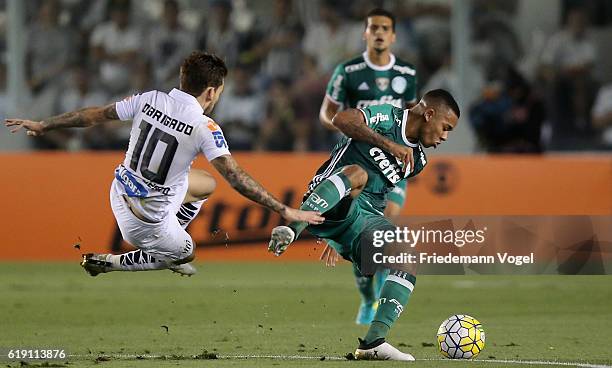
(201, 184)
(356, 175)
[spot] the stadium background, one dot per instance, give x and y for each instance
(534, 139)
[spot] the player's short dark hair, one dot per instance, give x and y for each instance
(382, 13)
(443, 97)
(201, 70)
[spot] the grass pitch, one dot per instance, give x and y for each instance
(290, 315)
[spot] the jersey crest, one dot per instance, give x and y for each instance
(399, 84)
(382, 83)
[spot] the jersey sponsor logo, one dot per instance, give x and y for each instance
(354, 67)
(404, 69)
(387, 167)
(217, 134)
(316, 199)
(382, 83)
(132, 187)
(379, 117)
(166, 120)
(337, 87)
(386, 99)
(399, 84)
(363, 87)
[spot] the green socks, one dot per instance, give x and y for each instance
(324, 197)
(393, 297)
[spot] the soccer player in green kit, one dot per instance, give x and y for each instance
(372, 78)
(383, 145)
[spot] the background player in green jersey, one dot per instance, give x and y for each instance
(372, 78)
(382, 146)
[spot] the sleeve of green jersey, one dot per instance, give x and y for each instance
(379, 117)
(410, 95)
(336, 87)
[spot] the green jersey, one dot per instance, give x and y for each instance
(358, 83)
(384, 170)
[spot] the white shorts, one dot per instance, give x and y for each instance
(165, 240)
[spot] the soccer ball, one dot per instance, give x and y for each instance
(461, 337)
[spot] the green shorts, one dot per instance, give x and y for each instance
(346, 224)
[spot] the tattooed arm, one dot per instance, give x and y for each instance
(83, 118)
(251, 189)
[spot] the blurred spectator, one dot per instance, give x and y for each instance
(567, 62)
(496, 45)
(240, 110)
(115, 135)
(509, 117)
(602, 114)
(307, 93)
(79, 93)
(170, 43)
(116, 45)
(3, 94)
(331, 40)
(220, 37)
(278, 130)
(444, 77)
(48, 52)
(280, 47)
(408, 48)
(431, 27)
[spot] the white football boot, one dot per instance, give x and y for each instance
(185, 269)
(380, 350)
(280, 239)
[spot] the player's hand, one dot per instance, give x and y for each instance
(33, 128)
(329, 256)
(312, 217)
(404, 154)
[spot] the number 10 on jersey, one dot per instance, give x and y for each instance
(155, 137)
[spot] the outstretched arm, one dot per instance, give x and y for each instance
(251, 189)
(82, 118)
(352, 123)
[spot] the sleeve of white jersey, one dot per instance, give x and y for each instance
(129, 106)
(212, 141)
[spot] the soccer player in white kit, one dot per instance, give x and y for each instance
(155, 193)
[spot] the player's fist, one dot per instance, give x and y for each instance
(291, 215)
(404, 155)
(33, 128)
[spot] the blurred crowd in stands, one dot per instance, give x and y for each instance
(531, 98)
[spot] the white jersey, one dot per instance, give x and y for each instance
(168, 132)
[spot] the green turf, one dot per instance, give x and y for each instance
(290, 309)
